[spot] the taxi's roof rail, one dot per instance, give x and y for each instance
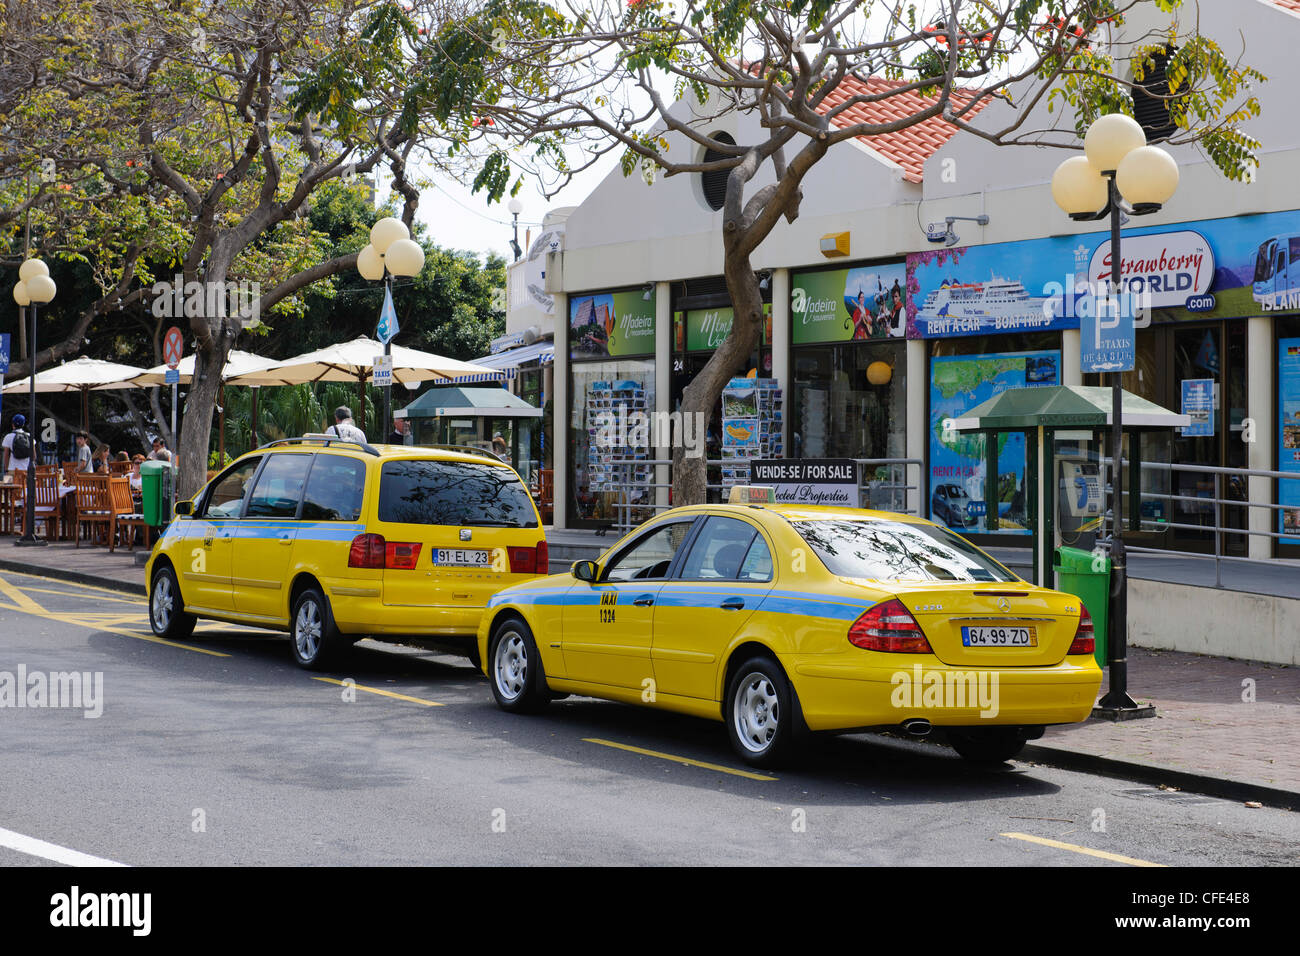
(327, 439)
(467, 450)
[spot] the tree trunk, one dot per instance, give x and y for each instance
(201, 398)
(702, 395)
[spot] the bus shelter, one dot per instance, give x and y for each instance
(1067, 430)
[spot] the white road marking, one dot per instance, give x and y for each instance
(50, 851)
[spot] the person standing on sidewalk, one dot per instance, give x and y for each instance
(17, 449)
(344, 427)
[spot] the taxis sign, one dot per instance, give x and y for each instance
(809, 481)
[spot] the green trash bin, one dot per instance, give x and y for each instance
(156, 492)
(1076, 574)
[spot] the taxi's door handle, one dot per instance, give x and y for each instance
(733, 604)
(643, 600)
(286, 537)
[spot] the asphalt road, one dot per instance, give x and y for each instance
(220, 751)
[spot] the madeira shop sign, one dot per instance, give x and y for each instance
(809, 481)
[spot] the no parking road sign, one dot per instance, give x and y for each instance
(173, 346)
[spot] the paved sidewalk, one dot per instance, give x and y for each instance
(1205, 737)
(1203, 726)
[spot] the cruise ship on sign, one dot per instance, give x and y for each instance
(997, 303)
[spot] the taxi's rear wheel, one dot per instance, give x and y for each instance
(313, 638)
(987, 745)
(762, 717)
(518, 682)
(167, 615)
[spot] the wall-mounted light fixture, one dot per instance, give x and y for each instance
(648, 291)
(764, 281)
(835, 244)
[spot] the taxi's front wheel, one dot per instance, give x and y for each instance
(763, 719)
(313, 638)
(167, 615)
(518, 682)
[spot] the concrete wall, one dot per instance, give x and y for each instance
(1201, 620)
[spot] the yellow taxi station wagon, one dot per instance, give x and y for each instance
(334, 540)
(783, 619)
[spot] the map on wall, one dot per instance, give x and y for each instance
(957, 459)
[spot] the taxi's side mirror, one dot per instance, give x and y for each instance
(585, 570)
(184, 509)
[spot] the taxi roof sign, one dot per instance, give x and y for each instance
(752, 495)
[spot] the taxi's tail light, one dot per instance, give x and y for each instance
(889, 627)
(372, 551)
(529, 560)
(367, 551)
(1085, 636)
(401, 555)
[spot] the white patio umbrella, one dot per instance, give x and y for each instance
(82, 375)
(354, 362)
(237, 363)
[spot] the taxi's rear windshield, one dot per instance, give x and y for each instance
(466, 494)
(898, 551)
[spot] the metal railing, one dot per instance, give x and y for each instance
(1218, 503)
(883, 485)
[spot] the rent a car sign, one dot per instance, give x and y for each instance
(1170, 267)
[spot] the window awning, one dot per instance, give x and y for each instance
(510, 360)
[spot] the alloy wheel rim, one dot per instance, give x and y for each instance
(307, 629)
(756, 712)
(162, 601)
(511, 666)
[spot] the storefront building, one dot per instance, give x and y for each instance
(871, 351)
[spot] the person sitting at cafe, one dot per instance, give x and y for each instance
(134, 474)
(160, 451)
(99, 461)
(83, 458)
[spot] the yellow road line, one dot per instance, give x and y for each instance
(749, 775)
(138, 635)
(381, 693)
(124, 600)
(69, 584)
(1086, 851)
(21, 600)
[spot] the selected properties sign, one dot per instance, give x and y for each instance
(809, 481)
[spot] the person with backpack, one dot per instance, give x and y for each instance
(17, 449)
(344, 427)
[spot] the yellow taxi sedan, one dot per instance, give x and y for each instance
(779, 620)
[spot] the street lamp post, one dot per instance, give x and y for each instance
(1119, 173)
(515, 207)
(391, 252)
(35, 287)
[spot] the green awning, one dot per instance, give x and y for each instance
(468, 403)
(1063, 406)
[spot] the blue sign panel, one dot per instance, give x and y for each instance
(1288, 437)
(1198, 403)
(4, 353)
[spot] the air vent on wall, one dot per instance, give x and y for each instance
(714, 183)
(1150, 100)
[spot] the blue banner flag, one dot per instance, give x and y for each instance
(387, 319)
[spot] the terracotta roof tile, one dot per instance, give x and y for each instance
(1291, 5)
(909, 147)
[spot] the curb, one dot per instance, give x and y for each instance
(1155, 774)
(75, 577)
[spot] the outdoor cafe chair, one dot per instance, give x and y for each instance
(94, 506)
(125, 518)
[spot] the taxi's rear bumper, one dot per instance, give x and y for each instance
(836, 695)
(365, 613)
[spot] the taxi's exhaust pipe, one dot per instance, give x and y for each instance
(917, 727)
